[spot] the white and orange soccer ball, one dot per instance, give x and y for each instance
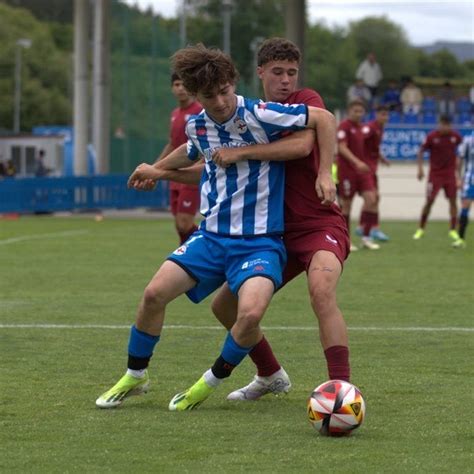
(336, 408)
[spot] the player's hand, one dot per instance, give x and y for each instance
(420, 175)
(142, 177)
(224, 157)
(325, 188)
(362, 167)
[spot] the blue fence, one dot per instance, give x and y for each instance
(402, 142)
(79, 193)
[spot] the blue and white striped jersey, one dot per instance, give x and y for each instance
(246, 198)
(466, 153)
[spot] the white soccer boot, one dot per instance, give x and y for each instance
(368, 243)
(277, 383)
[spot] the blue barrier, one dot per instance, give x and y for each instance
(402, 142)
(77, 193)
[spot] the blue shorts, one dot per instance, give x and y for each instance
(211, 259)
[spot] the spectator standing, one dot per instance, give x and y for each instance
(411, 98)
(446, 100)
(370, 72)
(359, 91)
(40, 168)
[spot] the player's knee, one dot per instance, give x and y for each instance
(323, 300)
(154, 296)
(249, 317)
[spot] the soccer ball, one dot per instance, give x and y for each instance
(336, 408)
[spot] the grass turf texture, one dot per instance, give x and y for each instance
(417, 384)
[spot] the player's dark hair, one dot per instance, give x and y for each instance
(174, 77)
(446, 119)
(277, 49)
(382, 108)
(203, 69)
(354, 103)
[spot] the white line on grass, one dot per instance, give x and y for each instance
(216, 328)
(66, 233)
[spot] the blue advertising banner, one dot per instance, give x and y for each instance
(403, 142)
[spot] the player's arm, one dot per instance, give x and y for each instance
(347, 154)
(296, 145)
(419, 160)
(384, 160)
(145, 174)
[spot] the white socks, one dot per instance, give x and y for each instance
(138, 374)
(211, 379)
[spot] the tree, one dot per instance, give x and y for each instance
(388, 41)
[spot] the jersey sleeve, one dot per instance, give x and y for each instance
(426, 145)
(276, 118)
(367, 131)
(342, 134)
(192, 149)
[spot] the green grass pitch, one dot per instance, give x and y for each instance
(409, 308)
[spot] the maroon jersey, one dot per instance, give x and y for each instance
(179, 118)
(442, 148)
(303, 208)
(350, 133)
(373, 132)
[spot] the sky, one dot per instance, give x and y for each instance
(424, 21)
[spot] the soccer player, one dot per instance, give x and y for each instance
(184, 198)
(315, 237)
(240, 237)
(442, 145)
(466, 153)
(354, 173)
(373, 132)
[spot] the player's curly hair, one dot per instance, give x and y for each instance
(277, 49)
(203, 69)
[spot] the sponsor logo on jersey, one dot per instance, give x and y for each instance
(258, 264)
(330, 239)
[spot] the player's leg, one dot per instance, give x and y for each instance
(271, 377)
(168, 283)
(432, 190)
(463, 222)
(186, 208)
(254, 282)
(369, 217)
(376, 233)
(450, 191)
(345, 202)
(323, 275)
(254, 297)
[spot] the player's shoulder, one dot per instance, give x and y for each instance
(306, 96)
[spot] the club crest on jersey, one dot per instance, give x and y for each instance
(180, 250)
(240, 125)
(200, 131)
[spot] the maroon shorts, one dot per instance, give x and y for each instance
(184, 199)
(437, 182)
(302, 245)
(351, 183)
